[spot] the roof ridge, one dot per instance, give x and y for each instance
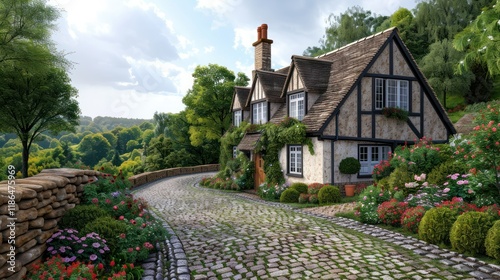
(357, 41)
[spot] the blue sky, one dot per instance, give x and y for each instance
(133, 58)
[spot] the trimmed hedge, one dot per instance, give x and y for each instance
(290, 196)
(329, 194)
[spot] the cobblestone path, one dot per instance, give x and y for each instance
(229, 237)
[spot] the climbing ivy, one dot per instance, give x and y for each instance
(231, 138)
(273, 138)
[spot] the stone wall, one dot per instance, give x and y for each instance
(40, 202)
(29, 215)
(147, 177)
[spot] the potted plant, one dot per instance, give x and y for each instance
(349, 166)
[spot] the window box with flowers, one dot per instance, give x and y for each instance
(395, 113)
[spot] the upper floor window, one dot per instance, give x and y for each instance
(237, 118)
(259, 113)
(391, 93)
(296, 106)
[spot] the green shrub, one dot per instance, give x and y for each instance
(304, 198)
(439, 174)
(492, 242)
(411, 218)
(313, 198)
(399, 177)
(79, 216)
(384, 183)
(289, 196)
(108, 228)
(329, 194)
(300, 187)
(436, 224)
(469, 231)
(390, 212)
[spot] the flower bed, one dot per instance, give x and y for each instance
(108, 246)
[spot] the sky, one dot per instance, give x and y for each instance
(132, 58)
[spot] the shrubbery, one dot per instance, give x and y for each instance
(411, 218)
(300, 187)
(492, 241)
(79, 216)
(329, 194)
(390, 212)
(469, 231)
(436, 224)
(290, 196)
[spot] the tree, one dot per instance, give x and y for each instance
(481, 40)
(439, 68)
(93, 148)
(159, 149)
(208, 102)
(160, 121)
(36, 99)
(25, 25)
(345, 28)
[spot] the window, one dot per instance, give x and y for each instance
(296, 106)
(235, 151)
(391, 93)
(295, 160)
(260, 113)
(237, 118)
(369, 156)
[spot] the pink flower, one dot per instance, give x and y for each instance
(445, 184)
(470, 191)
(454, 176)
(446, 190)
(115, 207)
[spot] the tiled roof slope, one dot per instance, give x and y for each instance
(272, 84)
(242, 94)
(348, 63)
(249, 142)
(314, 72)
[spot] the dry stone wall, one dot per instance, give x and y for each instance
(30, 209)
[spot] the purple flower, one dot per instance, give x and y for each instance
(66, 260)
(70, 231)
(50, 248)
(93, 257)
(101, 251)
(80, 251)
(96, 245)
(83, 238)
(85, 245)
(62, 249)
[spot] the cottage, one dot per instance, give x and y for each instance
(345, 99)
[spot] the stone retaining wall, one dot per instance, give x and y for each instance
(40, 202)
(147, 177)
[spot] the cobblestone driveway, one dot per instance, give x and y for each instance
(229, 237)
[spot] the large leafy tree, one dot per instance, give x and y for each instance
(481, 41)
(93, 148)
(208, 102)
(439, 68)
(36, 99)
(345, 28)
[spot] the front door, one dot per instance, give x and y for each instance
(260, 176)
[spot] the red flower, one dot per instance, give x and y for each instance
(100, 266)
(115, 207)
(112, 263)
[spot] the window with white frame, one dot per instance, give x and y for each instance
(237, 118)
(391, 93)
(259, 112)
(295, 160)
(296, 106)
(369, 156)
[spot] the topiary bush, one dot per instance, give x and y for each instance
(349, 166)
(390, 212)
(300, 187)
(329, 194)
(313, 198)
(492, 241)
(79, 216)
(108, 228)
(469, 231)
(289, 196)
(436, 224)
(410, 220)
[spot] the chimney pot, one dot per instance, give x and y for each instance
(259, 33)
(264, 31)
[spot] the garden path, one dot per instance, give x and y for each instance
(232, 236)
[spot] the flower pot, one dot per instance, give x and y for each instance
(349, 190)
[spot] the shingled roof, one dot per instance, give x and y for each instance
(272, 84)
(249, 142)
(348, 63)
(241, 93)
(315, 73)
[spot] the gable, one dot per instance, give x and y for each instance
(257, 92)
(295, 81)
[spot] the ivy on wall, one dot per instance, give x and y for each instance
(273, 138)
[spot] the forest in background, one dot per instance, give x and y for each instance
(439, 34)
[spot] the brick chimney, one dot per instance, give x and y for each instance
(262, 49)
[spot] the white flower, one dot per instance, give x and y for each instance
(498, 22)
(490, 37)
